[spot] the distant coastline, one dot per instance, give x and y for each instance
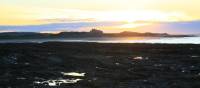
(92, 33)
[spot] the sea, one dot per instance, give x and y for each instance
(162, 40)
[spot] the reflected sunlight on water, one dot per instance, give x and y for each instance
(168, 40)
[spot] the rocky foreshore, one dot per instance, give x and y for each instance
(97, 65)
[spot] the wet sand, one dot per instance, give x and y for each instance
(95, 65)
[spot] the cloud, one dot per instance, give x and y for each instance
(64, 20)
(6, 31)
(189, 27)
(182, 27)
(58, 26)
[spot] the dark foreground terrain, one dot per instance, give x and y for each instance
(94, 65)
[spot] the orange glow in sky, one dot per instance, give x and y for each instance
(36, 12)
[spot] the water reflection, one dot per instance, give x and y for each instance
(140, 58)
(170, 40)
(73, 74)
(56, 82)
(61, 81)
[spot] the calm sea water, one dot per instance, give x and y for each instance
(172, 40)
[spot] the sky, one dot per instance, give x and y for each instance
(52, 16)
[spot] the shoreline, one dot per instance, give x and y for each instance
(115, 43)
(152, 40)
(97, 65)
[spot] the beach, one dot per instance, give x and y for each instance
(99, 65)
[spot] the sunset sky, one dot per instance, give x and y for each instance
(171, 16)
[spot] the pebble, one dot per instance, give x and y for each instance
(117, 64)
(138, 58)
(194, 56)
(27, 63)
